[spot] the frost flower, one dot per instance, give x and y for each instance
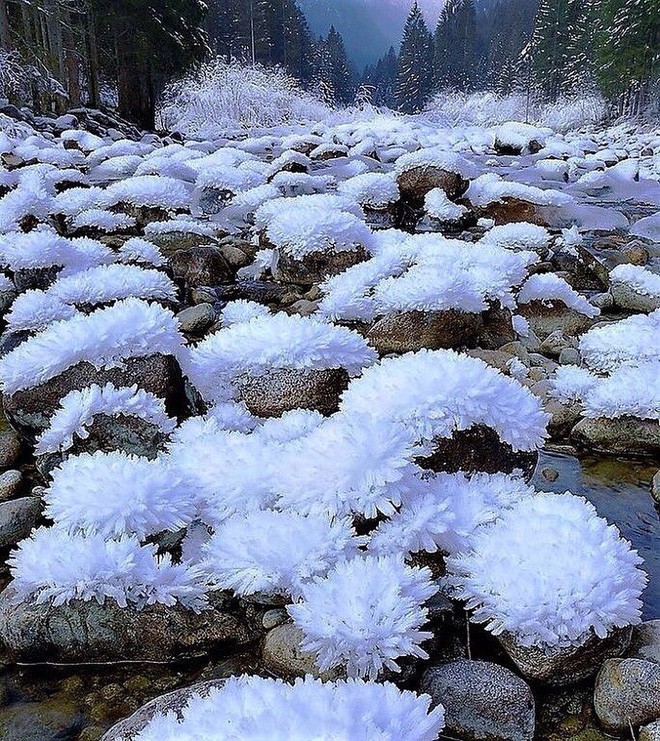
(364, 614)
(550, 572)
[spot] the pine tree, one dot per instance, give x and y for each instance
(333, 76)
(415, 69)
(455, 46)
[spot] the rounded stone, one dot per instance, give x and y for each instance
(196, 319)
(620, 435)
(10, 484)
(411, 331)
(627, 692)
(284, 658)
(482, 701)
(651, 732)
(10, 448)
(18, 517)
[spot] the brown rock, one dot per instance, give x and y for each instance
(627, 693)
(200, 266)
(317, 266)
(544, 320)
(282, 655)
(622, 435)
(415, 183)
(411, 331)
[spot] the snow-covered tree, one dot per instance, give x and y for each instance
(455, 45)
(415, 74)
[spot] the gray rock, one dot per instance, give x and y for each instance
(282, 655)
(261, 291)
(626, 297)
(651, 732)
(17, 519)
(550, 474)
(569, 356)
(482, 701)
(171, 242)
(602, 301)
(10, 483)
(235, 256)
(303, 307)
(10, 448)
(411, 331)
(200, 266)
(196, 319)
(563, 417)
(586, 272)
(562, 666)
(87, 631)
(275, 617)
(627, 692)
(172, 702)
(544, 320)
(50, 720)
(285, 389)
(554, 343)
(645, 643)
(622, 435)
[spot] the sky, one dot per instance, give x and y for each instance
(369, 27)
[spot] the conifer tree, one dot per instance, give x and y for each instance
(415, 69)
(455, 46)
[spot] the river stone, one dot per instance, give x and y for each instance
(10, 448)
(50, 720)
(282, 655)
(171, 242)
(561, 666)
(29, 410)
(315, 267)
(544, 320)
(10, 483)
(482, 701)
(285, 389)
(172, 702)
(478, 449)
(196, 319)
(651, 732)
(87, 631)
(497, 328)
(627, 692)
(645, 643)
(411, 331)
(626, 297)
(17, 519)
(514, 210)
(200, 266)
(620, 435)
(585, 271)
(235, 256)
(260, 291)
(416, 182)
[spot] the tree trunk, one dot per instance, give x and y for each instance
(134, 78)
(6, 43)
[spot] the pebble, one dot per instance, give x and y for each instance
(655, 487)
(10, 448)
(17, 518)
(10, 484)
(651, 732)
(602, 301)
(196, 319)
(569, 356)
(550, 474)
(273, 618)
(636, 253)
(554, 343)
(304, 307)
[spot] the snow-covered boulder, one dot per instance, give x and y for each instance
(513, 138)
(635, 288)
(420, 172)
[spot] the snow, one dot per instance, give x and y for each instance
(648, 227)
(438, 158)
(438, 206)
(520, 135)
(45, 249)
(374, 190)
(491, 188)
(549, 288)
(151, 191)
(637, 278)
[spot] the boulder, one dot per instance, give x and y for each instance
(509, 210)
(10, 448)
(50, 720)
(626, 297)
(29, 410)
(645, 643)
(651, 732)
(170, 242)
(284, 389)
(315, 267)
(172, 702)
(627, 693)
(544, 320)
(17, 519)
(497, 329)
(585, 272)
(195, 320)
(620, 435)
(478, 449)
(416, 182)
(568, 665)
(283, 657)
(410, 331)
(200, 266)
(482, 701)
(86, 631)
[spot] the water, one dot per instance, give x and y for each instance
(621, 492)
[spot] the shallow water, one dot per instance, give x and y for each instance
(621, 492)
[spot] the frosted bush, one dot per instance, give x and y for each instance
(76, 200)
(128, 329)
(254, 709)
(637, 278)
(439, 158)
(46, 249)
(31, 197)
(549, 288)
(436, 393)
(78, 409)
(374, 190)
(627, 342)
(443, 511)
(300, 233)
(101, 285)
(292, 184)
(271, 342)
(116, 493)
(276, 553)
(152, 191)
(550, 572)
(236, 312)
(438, 206)
(141, 251)
(364, 614)
(176, 226)
(54, 566)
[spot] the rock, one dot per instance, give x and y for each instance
(200, 266)
(195, 320)
(496, 358)
(627, 693)
(482, 701)
(636, 253)
(87, 631)
(315, 267)
(415, 183)
(563, 417)
(655, 487)
(285, 389)
(554, 343)
(585, 271)
(10, 448)
(514, 210)
(622, 435)
(17, 519)
(10, 483)
(645, 643)
(550, 474)
(29, 410)
(235, 256)
(569, 356)
(497, 328)
(602, 301)
(303, 307)
(544, 320)
(170, 242)
(411, 331)
(561, 666)
(651, 732)
(49, 720)
(273, 618)
(261, 291)
(477, 449)
(172, 702)
(203, 295)
(626, 297)
(282, 655)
